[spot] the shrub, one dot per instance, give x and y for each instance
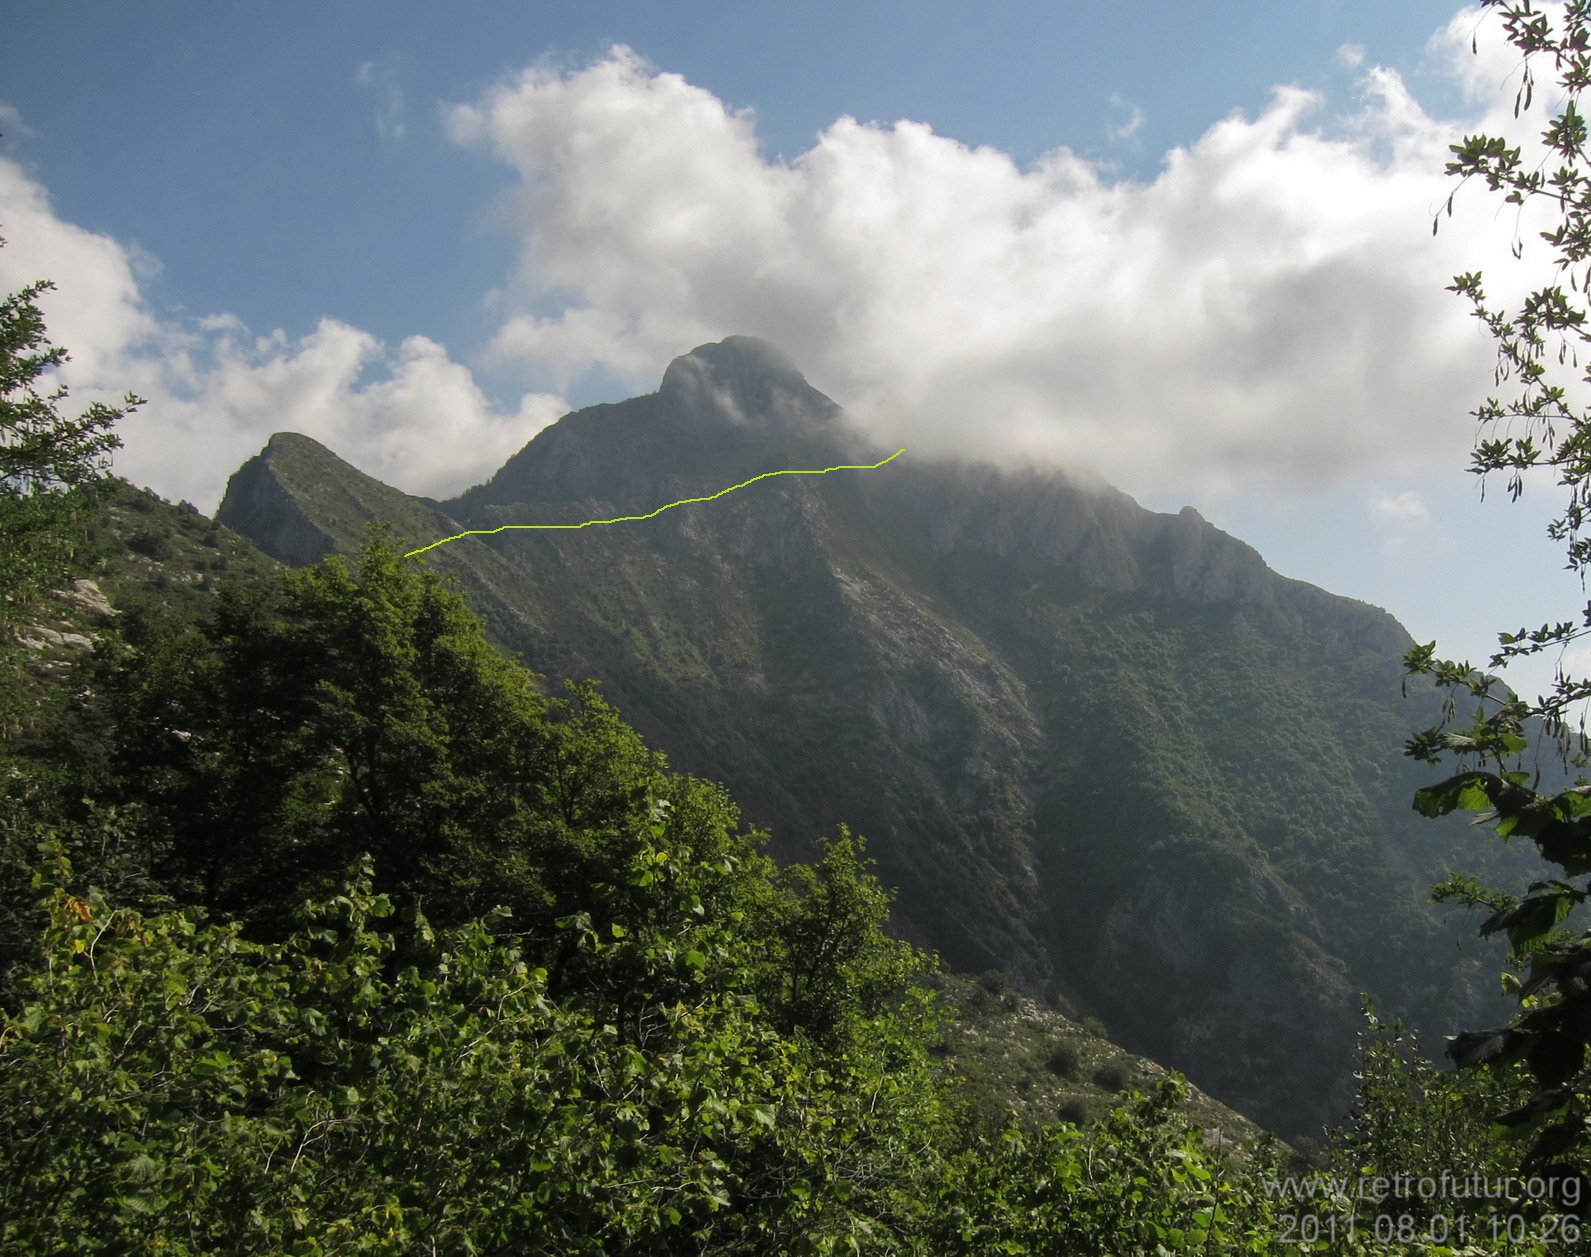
(1075, 1111)
(1063, 1061)
(150, 544)
(994, 982)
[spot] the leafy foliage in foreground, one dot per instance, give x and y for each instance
(173, 1080)
(1543, 427)
(568, 1007)
(1414, 1120)
(47, 464)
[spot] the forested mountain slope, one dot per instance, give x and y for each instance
(1106, 751)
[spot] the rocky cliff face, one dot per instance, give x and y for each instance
(261, 504)
(1104, 750)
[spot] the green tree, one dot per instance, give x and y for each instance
(49, 463)
(1543, 427)
(360, 709)
(347, 710)
(171, 1083)
(1141, 1181)
(834, 970)
(47, 460)
(1414, 1120)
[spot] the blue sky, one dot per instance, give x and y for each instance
(1187, 246)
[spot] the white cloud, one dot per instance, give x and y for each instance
(1399, 518)
(423, 425)
(1268, 310)
(1126, 130)
(1404, 508)
(412, 417)
(96, 310)
(11, 121)
(1574, 661)
(1473, 51)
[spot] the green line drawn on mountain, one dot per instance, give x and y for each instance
(625, 519)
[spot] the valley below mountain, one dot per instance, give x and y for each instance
(1105, 752)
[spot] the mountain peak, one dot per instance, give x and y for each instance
(280, 499)
(295, 444)
(743, 352)
(723, 412)
(746, 380)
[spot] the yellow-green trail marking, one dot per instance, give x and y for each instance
(625, 519)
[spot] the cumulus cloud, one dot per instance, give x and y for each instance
(410, 416)
(1269, 309)
(422, 424)
(1265, 314)
(97, 310)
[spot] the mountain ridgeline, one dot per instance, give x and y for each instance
(1103, 750)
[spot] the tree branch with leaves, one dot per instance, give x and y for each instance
(1540, 428)
(47, 459)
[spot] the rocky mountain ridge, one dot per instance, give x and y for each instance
(1105, 751)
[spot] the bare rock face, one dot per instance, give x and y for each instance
(87, 598)
(1208, 566)
(1113, 543)
(81, 605)
(260, 504)
(299, 502)
(37, 637)
(744, 382)
(1047, 516)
